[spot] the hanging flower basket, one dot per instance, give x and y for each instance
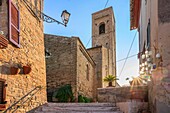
(14, 70)
(26, 69)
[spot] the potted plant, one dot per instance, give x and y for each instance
(14, 70)
(27, 68)
(110, 79)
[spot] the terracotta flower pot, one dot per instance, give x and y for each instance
(26, 69)
(2, 106)
(110, 84)
(14, 70)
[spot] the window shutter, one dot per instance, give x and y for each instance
(2, 91)
(0, 2)
(14, 24)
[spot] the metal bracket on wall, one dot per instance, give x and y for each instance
(40, 14)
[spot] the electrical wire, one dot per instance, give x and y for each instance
(106, 3)
(128, 54)
(91, 37)
(88, 42)
(127, 58)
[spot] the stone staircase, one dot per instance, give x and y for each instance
(78, 108)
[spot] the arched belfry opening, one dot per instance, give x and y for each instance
(102, 28)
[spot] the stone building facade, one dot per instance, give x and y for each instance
(68, 62)
(23, 32)
(100, 54)
(152, 19)
(103, 44)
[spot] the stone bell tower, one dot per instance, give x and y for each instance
(103, 35)
(103, 29)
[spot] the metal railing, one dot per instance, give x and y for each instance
(15, 106)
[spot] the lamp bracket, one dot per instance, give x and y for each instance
(40, 14)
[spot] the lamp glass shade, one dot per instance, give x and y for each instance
(65, 16)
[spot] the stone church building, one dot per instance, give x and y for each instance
(69, 62)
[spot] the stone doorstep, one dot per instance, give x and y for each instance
(104, 109)
(81, 104)
(78, 112)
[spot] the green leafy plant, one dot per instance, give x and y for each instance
(110, 79)
(83, 99)
(65, 94)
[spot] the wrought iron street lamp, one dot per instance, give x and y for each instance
(65, 15)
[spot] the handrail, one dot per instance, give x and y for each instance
(9, 108)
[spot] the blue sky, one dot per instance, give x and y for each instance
(80, 25)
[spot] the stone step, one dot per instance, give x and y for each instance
(78, 112)
(78, 108)
(81, 104)
(46, 108)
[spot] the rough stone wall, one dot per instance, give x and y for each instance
(159, 87)
(61, 64)
(107, 39)
(96, 54)
(4, 18)
(102, 57)
(161, 76)
(67, 64)
(122, 94)
(107, 17)
(163, 11)
(133, 106)
(86, 77)
(30, 52)
(107, 60)
(158, 13)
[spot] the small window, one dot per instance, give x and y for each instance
(102, 28)
(36, 6)
(148, 36)
(87, 72)
(47, 54)
(35, 3)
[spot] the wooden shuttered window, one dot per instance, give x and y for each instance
(2, 94)
(14, 24)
